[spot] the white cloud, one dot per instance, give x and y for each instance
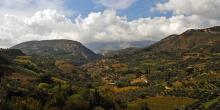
(106, 26)
(10, 3)
(47, 24)
(28, 7)
(203, 8)
(116, 4)
(102, 26)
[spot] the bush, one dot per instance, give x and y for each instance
(45, 78)
(3, 60)
(76, 102)
(44, 86)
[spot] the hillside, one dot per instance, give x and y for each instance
(26, 85)
(183, 68)
(194, 39)
(10, 53)
(64, 49)
(177, 77)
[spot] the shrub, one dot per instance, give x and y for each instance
(46, 78)
(76, 102)
(44, 86)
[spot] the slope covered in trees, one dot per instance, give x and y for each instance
(181, 72)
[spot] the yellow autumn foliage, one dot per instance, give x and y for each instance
(124, 89)
(65, 66)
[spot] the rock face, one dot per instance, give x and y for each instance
(201, 39)
(64, 49)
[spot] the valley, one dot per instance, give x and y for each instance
(180, 72)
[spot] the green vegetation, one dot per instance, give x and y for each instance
(212, 102)
(155, 78)
(150, 81)
(169, 103)
(138, 104)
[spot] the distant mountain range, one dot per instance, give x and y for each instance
(106, 47)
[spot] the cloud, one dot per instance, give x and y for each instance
(97, 26)
(5, 42)
(28, 7)
(43, 24)
(202, 8)
(116, 4)
(47, 24)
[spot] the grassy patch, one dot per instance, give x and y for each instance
(169, 103)
(124, 89)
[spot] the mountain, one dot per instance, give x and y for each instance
(106, 47)
(150, 78)
(177, 69)
(193, 39)
(63, 49)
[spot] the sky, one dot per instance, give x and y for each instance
(102, 20)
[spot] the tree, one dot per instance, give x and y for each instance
(45, 78)
(76, 102)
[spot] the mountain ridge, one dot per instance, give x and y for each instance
(61, 48)
(190, 39)
(134, 79)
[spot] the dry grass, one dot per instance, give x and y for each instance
(124, 89)
(65, 66)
